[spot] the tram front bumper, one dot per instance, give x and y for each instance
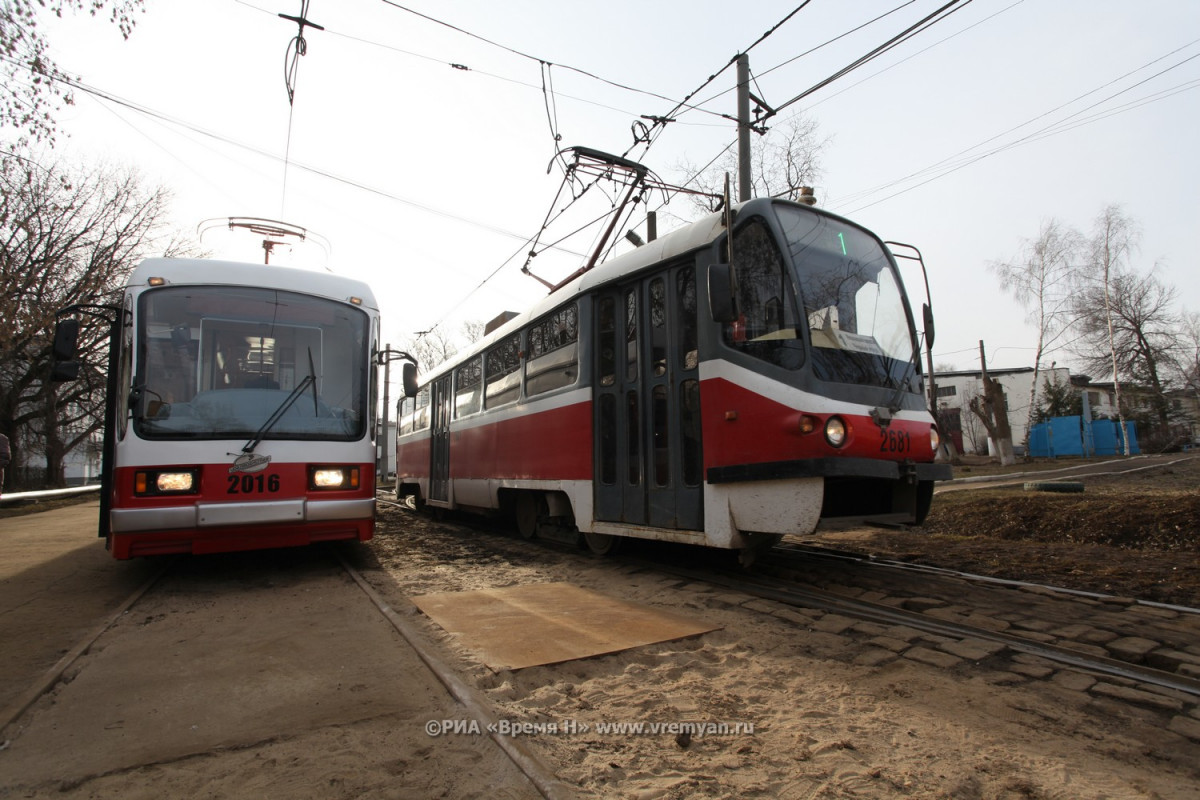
(829, 468)
(216, 515)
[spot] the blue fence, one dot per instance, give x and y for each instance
(1071, 436)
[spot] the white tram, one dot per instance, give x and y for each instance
(240, 408)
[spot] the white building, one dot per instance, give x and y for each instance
(955, 391)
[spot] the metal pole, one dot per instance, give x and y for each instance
(381, 469)
(743, 114)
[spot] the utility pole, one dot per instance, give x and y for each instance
(743, 115)
(994, 412)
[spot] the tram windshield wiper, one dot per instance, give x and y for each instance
(309, 380)
(901, 383)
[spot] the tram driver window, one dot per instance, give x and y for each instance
(766, 327)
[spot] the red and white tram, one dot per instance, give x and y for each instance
(240, 408)
(706, 388)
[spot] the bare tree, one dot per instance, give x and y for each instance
(1113, 241)
(436, 346)
(974, 434)
(67, 237)
(34, 87)
(991, 409)
(1188, 360)
(785, 159)
(1131, 326)
(1041, 281)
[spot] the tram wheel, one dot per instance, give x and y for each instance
(602, 544)
(531, 509)
(757, 543)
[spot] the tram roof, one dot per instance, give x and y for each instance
(682, 240)
(211, 272)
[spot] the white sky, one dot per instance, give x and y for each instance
(439, 174)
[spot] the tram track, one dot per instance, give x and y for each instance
(52, 676)
(779, 575)
(541, 777)
(791, 551)
(539, 774)
(790, 593)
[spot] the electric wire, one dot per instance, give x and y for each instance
(108, 97)
(919, 27)
(907, 58)
(940, 15)
(812, 50)
(1052, 129)
(1031, 120)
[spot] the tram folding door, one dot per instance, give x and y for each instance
(649, 463)
(441, 405)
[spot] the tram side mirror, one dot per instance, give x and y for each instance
(409, 374)
(64, 371)
(927, 313)
(66, 338)
(137, 402)
(720, 293)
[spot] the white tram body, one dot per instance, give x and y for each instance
(242, 409)
(671, 393)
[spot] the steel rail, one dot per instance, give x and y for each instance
(791, 550)
(539, 774)
(790, 594)
(53, 675)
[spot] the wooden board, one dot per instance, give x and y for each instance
(547, 623)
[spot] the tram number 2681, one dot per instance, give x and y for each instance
(895, 442)
(252, 484)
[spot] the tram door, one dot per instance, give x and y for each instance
(440, 404)
(649, 462)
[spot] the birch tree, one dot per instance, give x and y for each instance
(1040, 280)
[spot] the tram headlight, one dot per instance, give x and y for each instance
(934, 438)
(327, 477)
(148, 483)
(835, 431)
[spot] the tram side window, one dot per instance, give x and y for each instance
(553, 351)
(467, 388)
(503, 378)
(606, 347)
(414, 412)
(766, 327)
(685, 287)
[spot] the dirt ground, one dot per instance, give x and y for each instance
(1135, 534)
(831, 718)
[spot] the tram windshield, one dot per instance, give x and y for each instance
(850, 299)
(216, 362)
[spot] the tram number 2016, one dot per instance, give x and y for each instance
(252, 484)
(895, 442)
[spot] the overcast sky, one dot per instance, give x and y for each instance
(427, 179)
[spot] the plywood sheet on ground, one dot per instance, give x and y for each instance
(547, 623)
